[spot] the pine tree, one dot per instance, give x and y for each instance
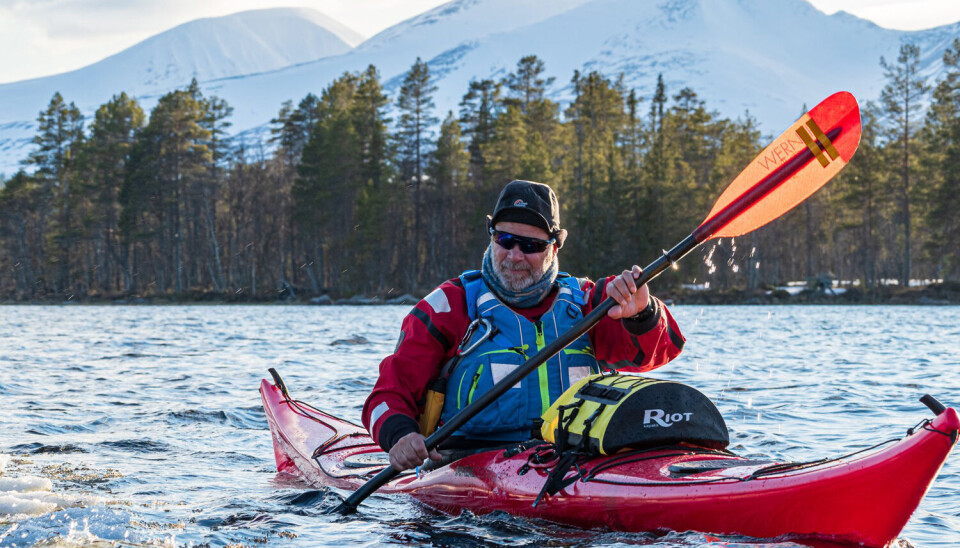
(526, 85)
(58, 140)
(527, 88)
(292, 127)
(283, 135)
(376, 186)
(656, 165)
(415, 105)
(326, 187)
(633, 151)
(901, 99)
(479, 109)
(860, 187)
(140, 213)
(112, 136)
(942, 134)
(170, 161)
(370, 125)
(505, 152)
(291, 131)
(215, 122)
(448, 169)
(596, 121)
(23, 203)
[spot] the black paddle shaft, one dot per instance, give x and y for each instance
(653, 270)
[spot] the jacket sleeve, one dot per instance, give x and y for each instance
(644, 342)
(429, 336)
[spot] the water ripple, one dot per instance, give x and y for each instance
(40, 448)
(137, 445)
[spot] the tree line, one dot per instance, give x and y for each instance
(344, 200)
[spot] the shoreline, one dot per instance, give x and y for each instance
(941, 294)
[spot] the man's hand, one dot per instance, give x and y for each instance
(410, 452)
(632, 300)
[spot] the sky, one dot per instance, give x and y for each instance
(43, 37)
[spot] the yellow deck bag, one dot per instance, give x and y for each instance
(616, 411)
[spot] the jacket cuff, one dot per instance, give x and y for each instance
(393, 428)
(645, 320)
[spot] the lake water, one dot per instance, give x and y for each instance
(142, 425)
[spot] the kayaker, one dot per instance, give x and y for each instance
(499, 316)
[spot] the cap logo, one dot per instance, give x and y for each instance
(520, 203)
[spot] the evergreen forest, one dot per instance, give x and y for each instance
(346, 199)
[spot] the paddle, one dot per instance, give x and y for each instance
(786, 173)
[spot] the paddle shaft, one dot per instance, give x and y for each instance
(761, 189)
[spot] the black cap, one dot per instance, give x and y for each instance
(532, 204)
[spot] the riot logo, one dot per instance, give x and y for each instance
(658, 417)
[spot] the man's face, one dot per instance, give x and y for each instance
(516, 270)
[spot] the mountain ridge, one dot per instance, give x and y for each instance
(207, 49)
(738, 55)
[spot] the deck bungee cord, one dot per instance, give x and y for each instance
(298, 407)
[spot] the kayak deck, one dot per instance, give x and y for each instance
(864, 498)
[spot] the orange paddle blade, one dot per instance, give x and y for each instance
(789, 170)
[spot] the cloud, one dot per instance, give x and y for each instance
(897, 14)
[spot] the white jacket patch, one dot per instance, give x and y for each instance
(378, 412)
(438, 301)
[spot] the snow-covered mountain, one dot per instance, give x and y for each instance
(206, 49)
(770, 57)
(221, 47)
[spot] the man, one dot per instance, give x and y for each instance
(491, 321)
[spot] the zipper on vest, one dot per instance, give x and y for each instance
(587, 351)
(542, 371)
(473, 384)
(460, 390)
(522, 350)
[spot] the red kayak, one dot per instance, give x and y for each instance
(863, 498)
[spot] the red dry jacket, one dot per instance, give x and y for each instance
(431, 332)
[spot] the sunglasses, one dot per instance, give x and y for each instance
(527, 245)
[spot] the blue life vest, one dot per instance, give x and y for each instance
(515, 414)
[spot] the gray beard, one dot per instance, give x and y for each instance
(525, 282)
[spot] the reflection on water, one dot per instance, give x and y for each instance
(143, 425)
